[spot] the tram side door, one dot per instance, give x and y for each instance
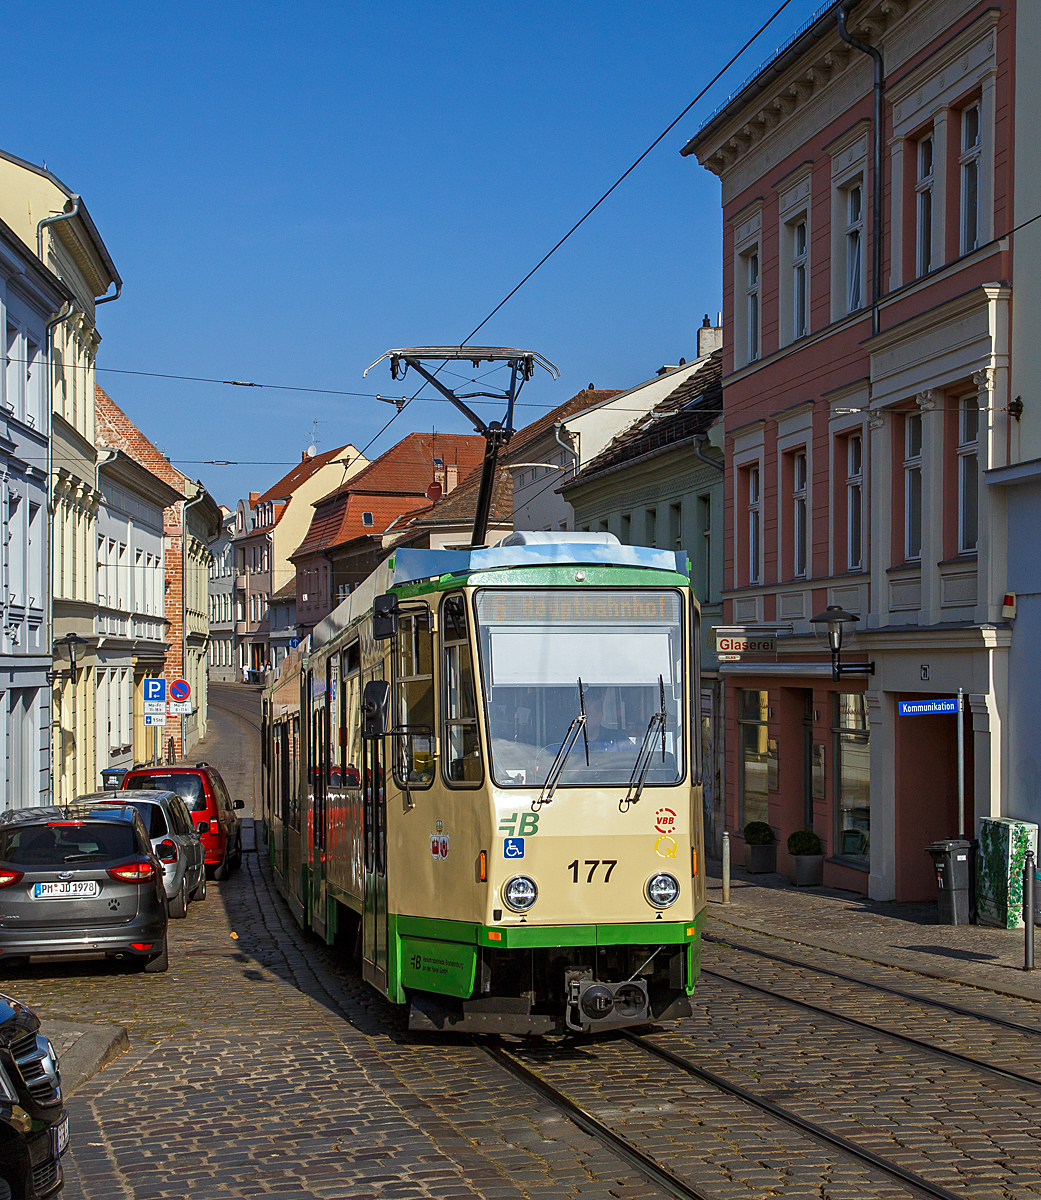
(374, 918)
(320, 719)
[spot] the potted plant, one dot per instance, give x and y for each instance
(805, 859)
(760, 848)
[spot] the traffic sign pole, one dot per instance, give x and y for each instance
(961, 764)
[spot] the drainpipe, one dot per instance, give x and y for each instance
(876, 143)
(48, 635)
(185, 505)
(558, 427)
(699, 452)
(62, 216)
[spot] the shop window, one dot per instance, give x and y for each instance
(757, 764)
(414, 701)
(852, 760)
(462, 749)
(968, 474)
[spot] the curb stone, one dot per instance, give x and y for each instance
(83, 1050)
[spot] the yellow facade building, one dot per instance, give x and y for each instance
(54, 223)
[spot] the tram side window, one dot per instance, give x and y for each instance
(294, 777)
(350, 717)
(462, 743)
(332, 758)
(414, 701)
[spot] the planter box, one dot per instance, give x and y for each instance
(761, 860)
(806, 870)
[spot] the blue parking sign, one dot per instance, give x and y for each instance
(155, 689)
(513, 848)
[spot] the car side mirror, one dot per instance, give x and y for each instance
(384, 617)
(202, 827)
(239, 804)
(375, 709)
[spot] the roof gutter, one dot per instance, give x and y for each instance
(67, 215)
(699, 452)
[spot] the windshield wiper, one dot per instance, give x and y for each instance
(643, 759)
(566, 746)
(81, 857)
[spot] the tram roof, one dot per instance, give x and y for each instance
(411, 565)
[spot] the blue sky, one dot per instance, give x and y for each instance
(288, 191)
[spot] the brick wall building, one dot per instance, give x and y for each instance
(189, 527)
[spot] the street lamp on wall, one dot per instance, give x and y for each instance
(71, 644)
(836, 629)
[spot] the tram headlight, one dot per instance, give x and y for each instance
(662, 889)
(520, 893)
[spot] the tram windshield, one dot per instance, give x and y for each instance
(626, 648)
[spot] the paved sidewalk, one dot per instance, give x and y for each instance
(896, 935)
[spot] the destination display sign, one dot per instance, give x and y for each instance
(600, 607)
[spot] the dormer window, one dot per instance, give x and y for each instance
(366, 518)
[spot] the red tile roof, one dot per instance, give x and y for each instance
(394, 484)
(303, 471)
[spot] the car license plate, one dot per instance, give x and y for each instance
(62, 1136)
(67, 890)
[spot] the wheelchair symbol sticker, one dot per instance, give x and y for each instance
(513, 848)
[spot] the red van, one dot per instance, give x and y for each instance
(212, 809)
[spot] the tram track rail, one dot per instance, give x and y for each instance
(667, 1179)
(931, 1002)
(881, 1031)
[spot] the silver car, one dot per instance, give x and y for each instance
(175, 839)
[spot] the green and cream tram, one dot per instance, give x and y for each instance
(483, 774)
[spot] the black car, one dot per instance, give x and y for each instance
(77, 879)
(34, 1127)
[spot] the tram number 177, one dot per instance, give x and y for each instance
(608, 863)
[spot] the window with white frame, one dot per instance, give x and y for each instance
(968, 474)
(750, 261)
(924, 209)
(913, 486)
(854, 502)
(754, 526)
(800, 529)
(12, 399)
(854, 247)
(970, 178)
(800, 282)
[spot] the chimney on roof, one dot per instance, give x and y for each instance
(254, 497)
(451, 477)
(710, 337)
(590, 388)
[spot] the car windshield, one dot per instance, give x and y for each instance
(151, 814)
(626, 648)
(189, 787)
(56, 845)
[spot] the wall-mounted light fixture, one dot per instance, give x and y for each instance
(836, 629)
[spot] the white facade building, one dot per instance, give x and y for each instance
(221, 665)
(30, 297)
(130, 622)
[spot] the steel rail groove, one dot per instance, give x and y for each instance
(878, 987)
(665, 1178)
(646, 1166)
(908, 1178)
(881, 1030)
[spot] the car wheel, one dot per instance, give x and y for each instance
(200, 891)
(160, 962)
(224, 866)
(237, 860)
(177, 906)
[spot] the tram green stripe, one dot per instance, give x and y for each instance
(548, 576)
(515, 937)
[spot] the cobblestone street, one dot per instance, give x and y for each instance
(260, 1065)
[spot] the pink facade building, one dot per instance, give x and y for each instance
(862, 410)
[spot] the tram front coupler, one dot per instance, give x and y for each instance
(593, 1004)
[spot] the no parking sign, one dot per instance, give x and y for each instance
(180, 689)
